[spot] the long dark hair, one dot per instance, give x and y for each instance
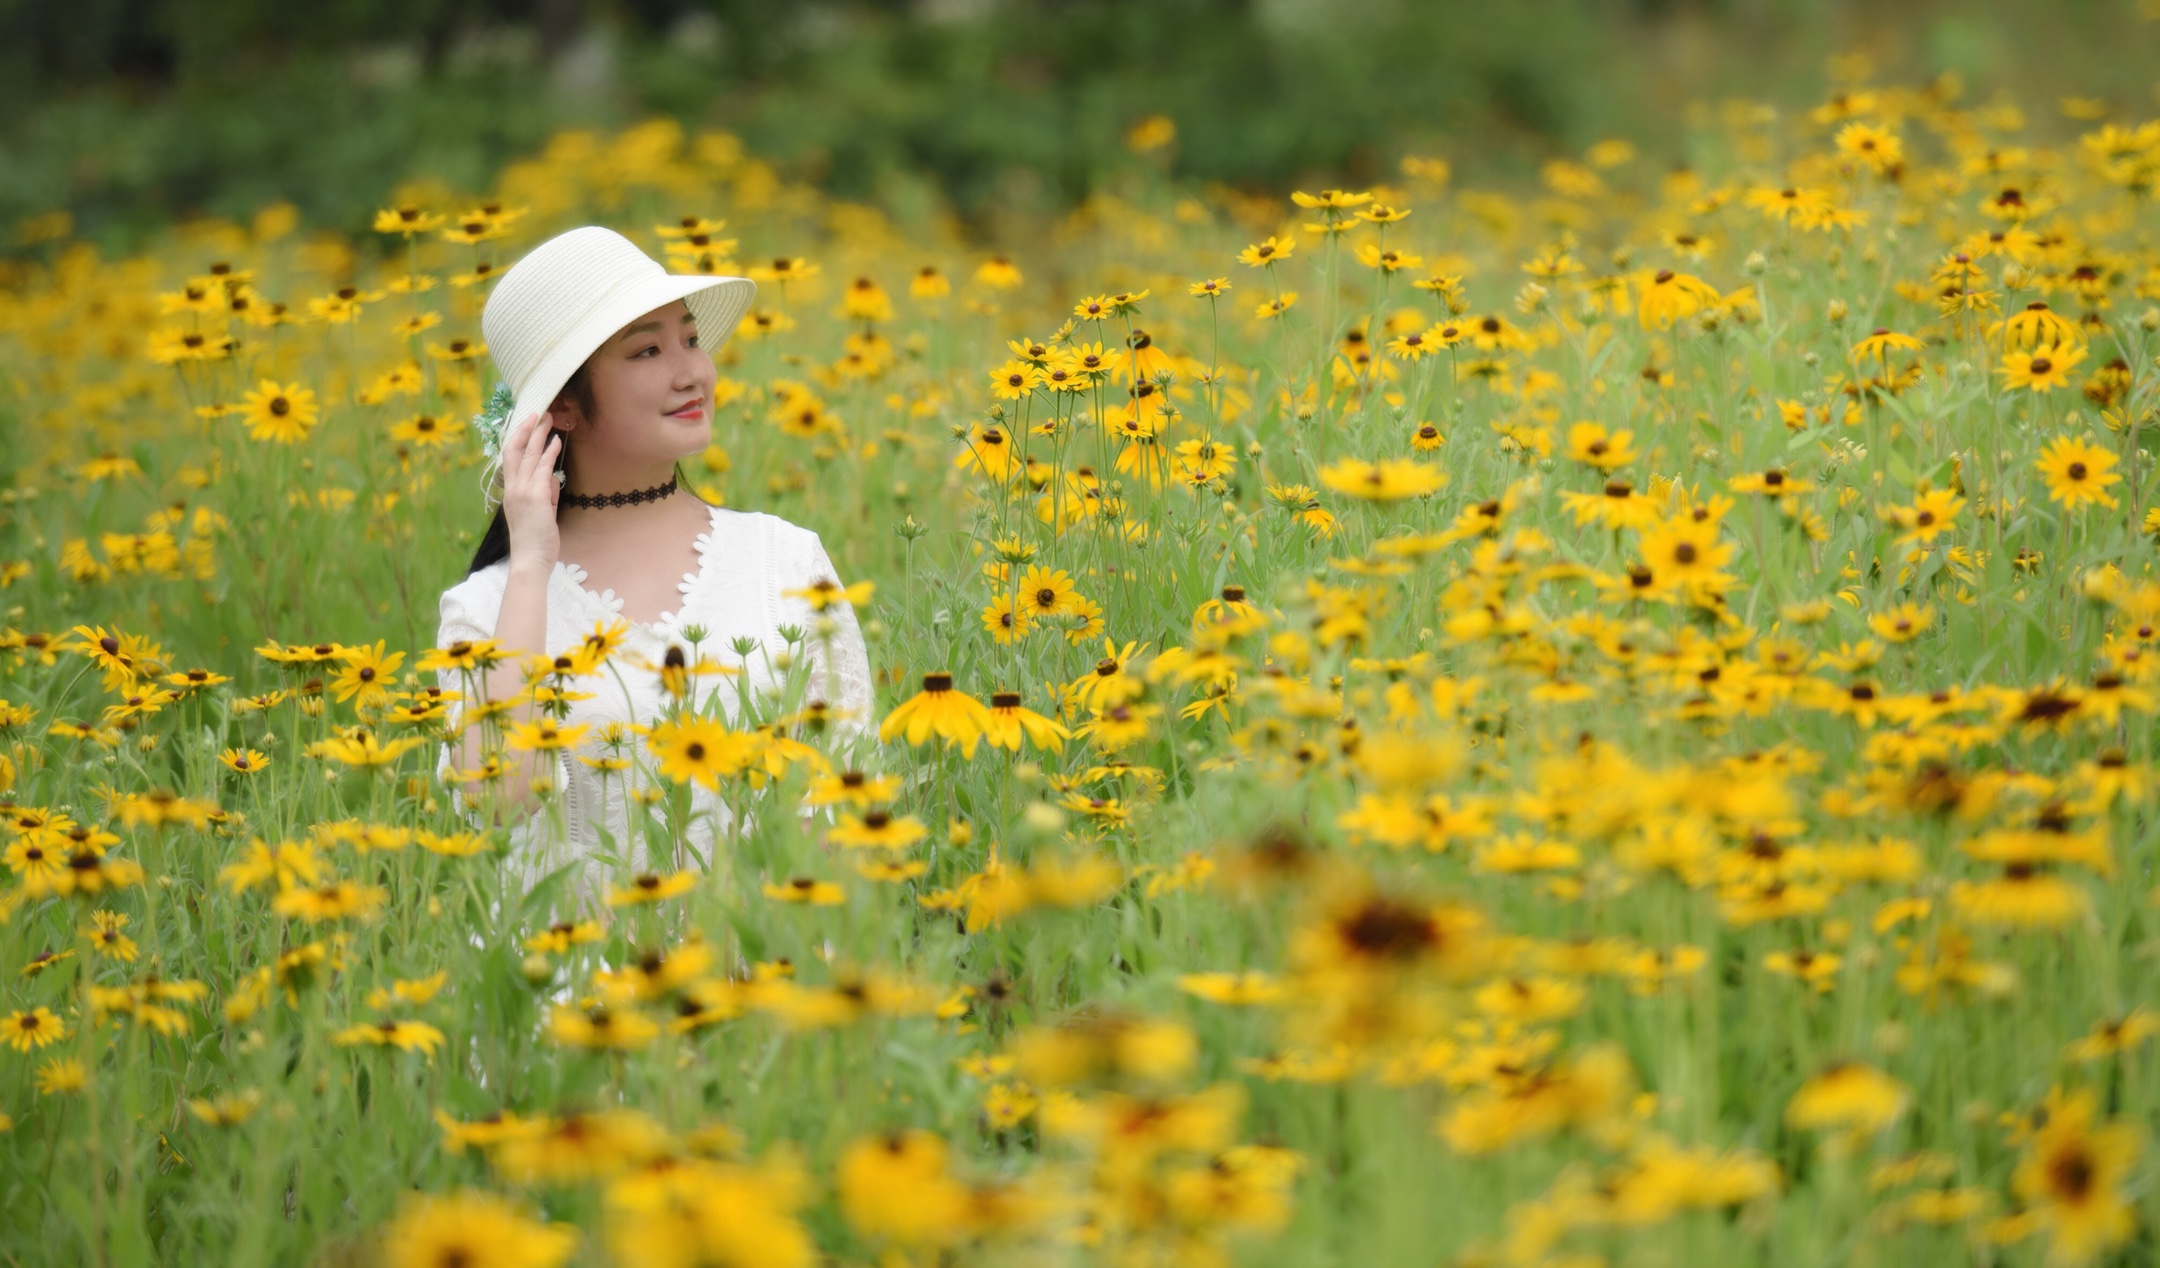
(495, 543)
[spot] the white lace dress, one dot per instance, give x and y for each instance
(746, 560)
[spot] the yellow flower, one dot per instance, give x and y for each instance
(1267, 251)
(543, 736)
(1005, 618)
(824, 592)
(998, 274)
(1015, 379)
(1388, 260)
(335, 900)
(1683, 551)
(1902, 623)
(1932, 514)
(1848, 1095)
(407, 1036)
(808, 890)
(246, 761)
(1877, 148)
(1667, 296)
(1880, 342)
(2078, 472)
(895, 1188)
(701, 749)
(878, 830)
(282, 414)
(427, 431)
(2024, 896)
(472, 1230)
(366, 673)
(1389, 480)
(1592, 445)
(363, 749)
(598, 1026)
(228, 1110)
(408, 220)
(651, 887)
(2040, 370)
(60, 1076)
(1231, 988)
(2115, 1036)
(35, 1029)
(1010, 722)
(938, 709)
(929, 283)
(104, 935)
(2071, 1180)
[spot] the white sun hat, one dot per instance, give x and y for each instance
(555, 306)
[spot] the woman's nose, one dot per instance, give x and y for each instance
(693, 367)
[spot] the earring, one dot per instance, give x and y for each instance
(562, 478)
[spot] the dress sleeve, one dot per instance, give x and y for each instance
(853, 701)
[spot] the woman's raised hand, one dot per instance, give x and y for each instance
(530, 492)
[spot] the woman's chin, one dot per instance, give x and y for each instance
(685, 430)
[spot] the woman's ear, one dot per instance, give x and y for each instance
(562, 415)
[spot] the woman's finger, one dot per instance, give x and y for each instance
(527, 442)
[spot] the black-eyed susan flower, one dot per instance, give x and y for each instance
(1666, 296)
(597, 1025)
(404, 1035)
(1006, 618)
(1011, 723)
(366, 673)
(824, 592)
(105, 936)
(2040, 370)
(29, 1031)
(895, 1189)
(998, 273)
(62, 1076)
(1388, 480)
(474, 1228)
(1849, 1096)
(330, 900)
(2077, 472)
(2072, 1179)
(699, 749)
(2115, 1036)
(651, 887)
(806, 890)
(877, 830)
(227, 1109)
(938, 709)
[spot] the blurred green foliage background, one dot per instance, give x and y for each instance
(131, 113)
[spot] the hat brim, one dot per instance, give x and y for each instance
(718, 303)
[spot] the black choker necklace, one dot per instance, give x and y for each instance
(595, 501)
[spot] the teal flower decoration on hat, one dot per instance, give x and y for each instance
(493, 420)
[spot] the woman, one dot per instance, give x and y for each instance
(609, 360)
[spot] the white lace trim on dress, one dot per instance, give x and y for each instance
(610, 603)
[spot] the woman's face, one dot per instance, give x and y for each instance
(652, 393)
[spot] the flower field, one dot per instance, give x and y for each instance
(1602, 722)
